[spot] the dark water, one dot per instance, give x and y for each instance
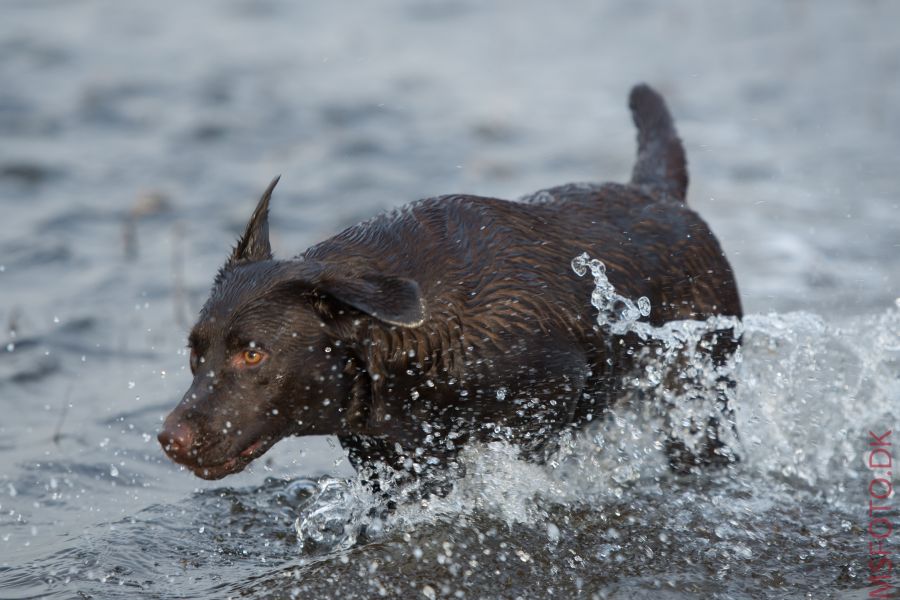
(134, 139)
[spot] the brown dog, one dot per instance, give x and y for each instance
(455, 318)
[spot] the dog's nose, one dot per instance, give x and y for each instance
(176, 440)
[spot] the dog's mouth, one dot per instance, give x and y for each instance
(235, 464)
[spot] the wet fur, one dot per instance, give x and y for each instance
(429, 310)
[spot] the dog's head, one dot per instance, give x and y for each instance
(266, 354)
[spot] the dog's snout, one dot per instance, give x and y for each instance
(177, 440)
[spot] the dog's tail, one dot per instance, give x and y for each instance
(661, 167)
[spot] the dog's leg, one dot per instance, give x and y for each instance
(376, 458)
(714, 434)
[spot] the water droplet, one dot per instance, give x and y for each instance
(552, 533)
(579, 264)
(644, 306)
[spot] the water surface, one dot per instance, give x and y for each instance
(135, 138)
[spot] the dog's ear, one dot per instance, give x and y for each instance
(254, 244)
(393, 300)
(388, 298)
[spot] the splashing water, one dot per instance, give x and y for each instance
(618, 313)
(332, 517)
(680, 380)
(807, 394)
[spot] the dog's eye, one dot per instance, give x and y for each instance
(252, 357)
(195, 361)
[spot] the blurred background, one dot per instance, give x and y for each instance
(135, 139)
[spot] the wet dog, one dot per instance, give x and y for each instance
(451, 320)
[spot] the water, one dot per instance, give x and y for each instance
(135, 140)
